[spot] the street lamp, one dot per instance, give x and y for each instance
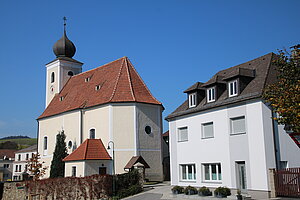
(113, 164)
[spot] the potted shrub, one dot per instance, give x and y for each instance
(204, 191)
(190, 190)
(239, 196)
(222, 192)
(177, 189)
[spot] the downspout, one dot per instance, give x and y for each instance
(81, 127)
(38, 130)
(276, 140)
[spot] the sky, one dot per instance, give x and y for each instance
(171, 43)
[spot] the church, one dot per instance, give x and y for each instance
(110, 118)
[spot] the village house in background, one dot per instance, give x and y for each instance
(224, 134)
(6, 164)
(20, 163)
(109, 105)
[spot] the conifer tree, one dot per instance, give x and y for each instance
(57, 165)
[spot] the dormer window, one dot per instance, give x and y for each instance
(211, 94)
(87, 79)
(233, 88)
(97, 87)
(192, 100)
(61, 98)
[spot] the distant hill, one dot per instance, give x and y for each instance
(14, 137)
(21, 142)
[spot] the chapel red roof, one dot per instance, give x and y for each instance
(90, 149)
(117, 81)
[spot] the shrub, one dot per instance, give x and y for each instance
(177, 189)
(222, 191)
(132, 190)
(190, 190)
(204, 191)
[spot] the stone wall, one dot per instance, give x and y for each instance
(14, 190)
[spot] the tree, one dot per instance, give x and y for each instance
(35, 167)
(60, 152)
(284, 95)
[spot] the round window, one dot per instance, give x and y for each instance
(70, 144)
(148, 129)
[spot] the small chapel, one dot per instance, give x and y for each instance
(109, 116)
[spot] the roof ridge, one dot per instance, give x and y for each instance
(142, 81)
(129, 78)
(118, 78)
(85, 149)
(99, 66)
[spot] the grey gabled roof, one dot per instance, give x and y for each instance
(32, 148)
(262, 72)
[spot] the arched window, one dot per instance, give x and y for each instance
(92, 133)
(52, 77)
(45, 143)
(70, 73)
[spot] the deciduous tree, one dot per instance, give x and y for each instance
(284, 95)
(35, 167)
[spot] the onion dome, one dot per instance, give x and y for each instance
(64, 47)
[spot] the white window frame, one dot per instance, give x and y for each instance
(74, 167)
(203, 136)
(233, 91)
(45, 146)
(91, 132)
(232, 132)
(218, 173)
(186, 167)
(179, 134)
(192, 100)
(211, 94)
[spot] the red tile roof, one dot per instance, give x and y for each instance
(90, 149)
(9, 153)
(118, 81)
(166, 134)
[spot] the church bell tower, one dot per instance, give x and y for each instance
(62, 68)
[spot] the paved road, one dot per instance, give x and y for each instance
(163, 192)
(147, 196)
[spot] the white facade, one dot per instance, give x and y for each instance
(242, 139)
(20, 163)
(122, 123)
(6, 169)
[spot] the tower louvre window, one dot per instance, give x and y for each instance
(70, 73)
(52, 77)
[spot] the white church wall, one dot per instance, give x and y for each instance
(80, 167)
(50, 127)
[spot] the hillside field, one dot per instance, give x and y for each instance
(22, 142)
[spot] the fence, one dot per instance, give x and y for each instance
(287, 182)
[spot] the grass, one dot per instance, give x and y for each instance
(22, 142)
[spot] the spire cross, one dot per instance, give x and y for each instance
(65, 22)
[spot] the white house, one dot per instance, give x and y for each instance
(6, 164)
(20, 163)
(110, 102)
(224, 133)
